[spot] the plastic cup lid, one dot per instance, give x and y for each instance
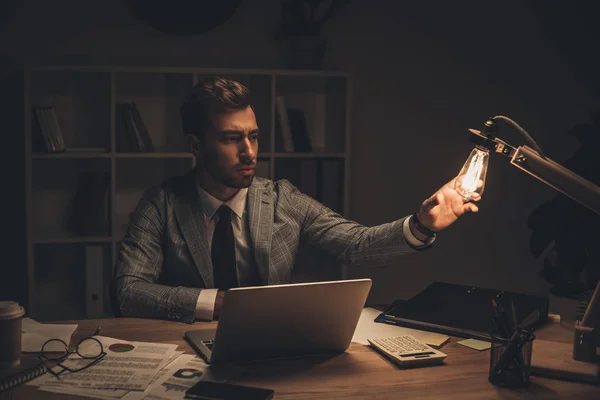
(10, 309)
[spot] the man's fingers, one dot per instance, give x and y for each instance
(471, 207)
(475, 197)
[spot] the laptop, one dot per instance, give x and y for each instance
(264, 322)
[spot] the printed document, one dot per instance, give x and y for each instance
(127, 366)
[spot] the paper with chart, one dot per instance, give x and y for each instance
(106, 394)
(174, 380)
(127, 366)
(368, 328)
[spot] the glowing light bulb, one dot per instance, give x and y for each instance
(470, 182)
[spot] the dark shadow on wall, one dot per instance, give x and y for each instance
(13, 266)
(573, 29)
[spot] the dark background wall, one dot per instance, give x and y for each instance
(424, 72)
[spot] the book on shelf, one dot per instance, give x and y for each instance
(132, 133)
(291, 128)
(46, 132)
(28, 369)
(284, 131)
(298, 126)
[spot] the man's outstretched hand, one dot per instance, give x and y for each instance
(445, 206)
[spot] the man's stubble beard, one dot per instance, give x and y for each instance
(223, 178)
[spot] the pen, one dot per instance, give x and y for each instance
(501, 321)
(508, 332)
(512, 351)
(513, 312)
(97, 331)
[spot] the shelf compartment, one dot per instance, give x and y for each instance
(71, 154)
(70, 198)
(158, 98)
(323, 103)
(70, 280)
(81, 102)
(74, 239)
(155, 155)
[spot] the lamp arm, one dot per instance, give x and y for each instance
(523, 132)
(558, 177)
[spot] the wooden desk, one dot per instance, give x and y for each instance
(356, 374)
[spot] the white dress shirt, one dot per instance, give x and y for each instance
(412, 239)
(246, 270)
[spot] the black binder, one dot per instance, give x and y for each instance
(460, 310)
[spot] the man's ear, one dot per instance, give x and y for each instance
(193, 144)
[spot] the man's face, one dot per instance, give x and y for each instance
(229, 151)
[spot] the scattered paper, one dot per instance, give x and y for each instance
(476, 344)
(35, 334)
(554, 317)
(127, 366)
(104, 394)
(174, 380)
(367, 328)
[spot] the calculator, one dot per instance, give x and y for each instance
(407, 351)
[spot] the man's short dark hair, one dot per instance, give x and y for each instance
(212, 96)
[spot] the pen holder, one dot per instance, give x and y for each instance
(510, 359)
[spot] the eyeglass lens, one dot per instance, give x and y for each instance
(89, 348)
(55, 349)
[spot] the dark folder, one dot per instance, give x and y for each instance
(460, 310)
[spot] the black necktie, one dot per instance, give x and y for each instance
(223, 251)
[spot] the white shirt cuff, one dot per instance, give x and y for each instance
(411, 239)
(205, 306)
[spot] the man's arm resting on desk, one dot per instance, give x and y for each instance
(209, 304)
(140, 263)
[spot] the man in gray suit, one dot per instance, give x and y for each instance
(195, 236)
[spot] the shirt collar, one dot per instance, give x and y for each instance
(211, 204)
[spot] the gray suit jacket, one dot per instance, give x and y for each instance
(164, 260)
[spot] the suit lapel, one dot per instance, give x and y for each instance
(193, 227)
(260, 217)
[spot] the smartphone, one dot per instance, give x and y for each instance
(208, 390)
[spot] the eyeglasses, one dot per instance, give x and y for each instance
(89, 349)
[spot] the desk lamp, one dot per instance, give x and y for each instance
(471, 183)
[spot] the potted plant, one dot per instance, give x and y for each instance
(567, 233)
(300, 32)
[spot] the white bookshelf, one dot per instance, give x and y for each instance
(58, 276)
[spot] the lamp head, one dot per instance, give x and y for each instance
(490, 129)
(486, 138)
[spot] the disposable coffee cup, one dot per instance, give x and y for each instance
(11, 314)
